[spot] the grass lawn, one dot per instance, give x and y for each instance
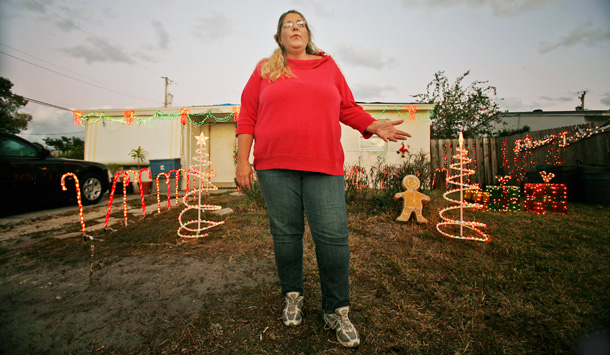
(540, 286)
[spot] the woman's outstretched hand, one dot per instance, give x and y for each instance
(387, 131)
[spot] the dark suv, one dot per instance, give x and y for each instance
(30, 176)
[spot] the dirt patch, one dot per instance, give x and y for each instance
(60, 294)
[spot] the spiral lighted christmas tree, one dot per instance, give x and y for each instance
(201, 175)
(460, 166)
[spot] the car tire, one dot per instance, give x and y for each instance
(91, 189)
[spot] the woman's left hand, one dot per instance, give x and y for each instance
(387, 131)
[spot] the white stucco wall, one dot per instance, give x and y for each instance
(111, 142)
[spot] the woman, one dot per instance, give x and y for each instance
(293, 105)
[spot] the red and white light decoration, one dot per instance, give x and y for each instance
(545, 197)
(78, 198)
(476, 234)
(77, 117)
(196, 228)
(125, 176)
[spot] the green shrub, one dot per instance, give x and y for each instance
(374, 189)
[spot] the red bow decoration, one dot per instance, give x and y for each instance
(236, 111)
(129, 116)
(503, 180)
(184, 113)
(77, 117)
(547, 176)
(412, 110)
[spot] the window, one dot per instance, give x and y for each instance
(373, 144)
(12, 148)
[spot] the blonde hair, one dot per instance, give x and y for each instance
(276, 66)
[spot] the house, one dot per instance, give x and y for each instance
(538, 120)
(169, 133)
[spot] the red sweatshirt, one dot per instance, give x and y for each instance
(295, 121)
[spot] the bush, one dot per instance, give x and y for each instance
(374, 189)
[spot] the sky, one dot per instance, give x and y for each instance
(84, 54)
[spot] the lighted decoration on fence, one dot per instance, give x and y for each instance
(413, 200)
(503, 198)
(236, 111)
(125, 176)
(462, 160)
(78, 198)
(197, 228)
(523, 148)
(545, 197)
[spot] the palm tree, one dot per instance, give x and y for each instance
(139, 155)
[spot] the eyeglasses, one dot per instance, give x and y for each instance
(290, 24)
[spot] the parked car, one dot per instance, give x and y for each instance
(30, 176)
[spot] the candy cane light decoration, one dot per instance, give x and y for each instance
(459, 166)
(141, 189)
(78, 199)
(125, 176)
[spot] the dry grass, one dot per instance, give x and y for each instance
(538, 287)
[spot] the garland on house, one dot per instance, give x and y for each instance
(130, 118)
(198, 119)
(410, 114)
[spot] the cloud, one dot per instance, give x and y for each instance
(97, 51)
(363, 57)
(606, 99)
(499, 8)
(581, 35)
(162, 34)
(557, 99)
(45, 120)
(369, 92)
(213, 27)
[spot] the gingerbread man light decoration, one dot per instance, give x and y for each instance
(413, 200)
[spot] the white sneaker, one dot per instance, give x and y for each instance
(339, 321)
(292, 314)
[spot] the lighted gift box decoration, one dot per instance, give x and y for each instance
(545, 197)
(476, 196)
(503, 198)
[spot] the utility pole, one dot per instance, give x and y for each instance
(167, 81)
(582, 100)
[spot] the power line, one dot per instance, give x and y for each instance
(46, 61)
(73, 78)
(46, 104)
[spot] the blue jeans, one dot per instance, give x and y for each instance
(289, 195)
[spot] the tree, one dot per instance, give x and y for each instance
(470, 110)
(12, 121)
(73, 147)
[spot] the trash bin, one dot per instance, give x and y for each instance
(158, 166)
(596, 185)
